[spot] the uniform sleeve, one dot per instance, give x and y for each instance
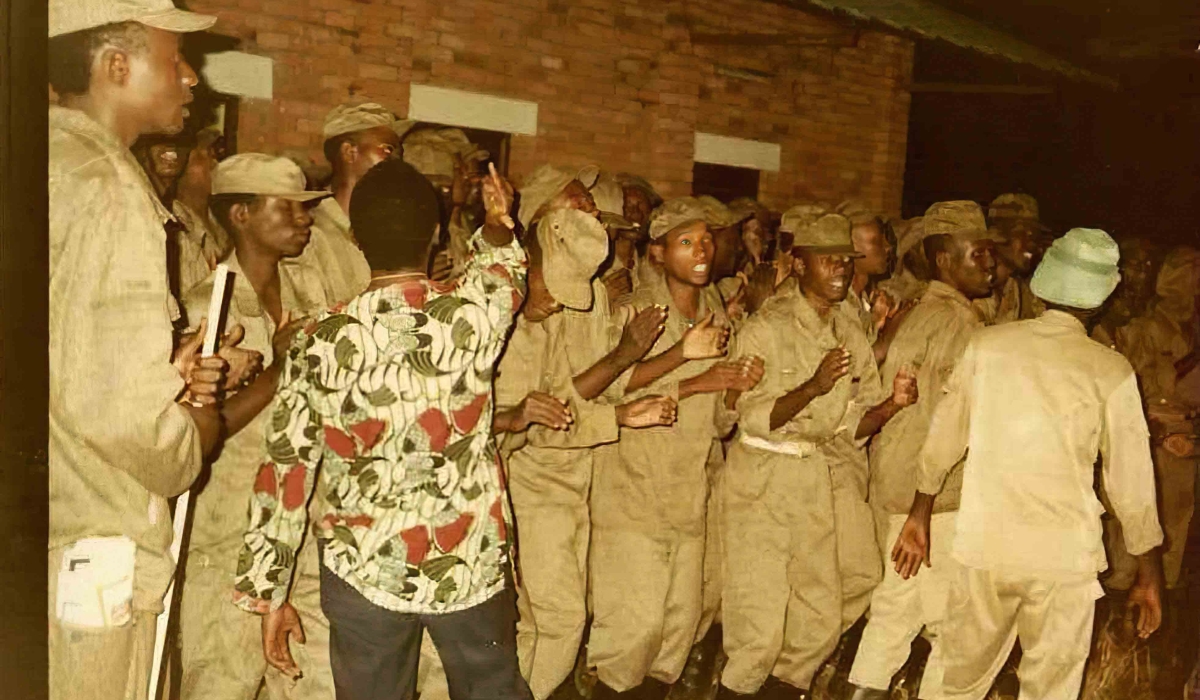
(1128, 469)
(282, 487)
(754, 407)
(871, 393)
(949, 428)
(112, 383)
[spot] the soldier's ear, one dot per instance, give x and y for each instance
(657, 252)
(112, 64)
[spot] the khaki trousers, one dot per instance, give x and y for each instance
(647, 596)
(710, 610)
(801, 560)
(986, 613)
(900, 609)
(111, 663)
(550, 505)
(221, 645)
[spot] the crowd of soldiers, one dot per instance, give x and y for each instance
(578, 439)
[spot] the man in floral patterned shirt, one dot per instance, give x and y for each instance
(392, 396)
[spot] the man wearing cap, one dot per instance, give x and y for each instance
(1028, 543)
(800, 556)
(560, 350)
(874, 261)
(391, 397)
(729, 252)
(1163, 349)
(202, 243)
(549, 188)
(649, 494)
(129, 428)
(262, 202)
(931, 340)
(356, 138)
(1015, 217)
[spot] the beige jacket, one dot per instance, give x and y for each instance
(333, 254)
(792, 340)
(119, 444)
(546, 357)
(655, 481)
(933, 337)
(1028, 502)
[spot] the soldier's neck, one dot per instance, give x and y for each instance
(685, 297)
(342, 185)
(820, 304)
(261, 269)
(106, 113)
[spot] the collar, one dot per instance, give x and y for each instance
(79, 124)
(940, 290)
(246, 298)
(1061, 319)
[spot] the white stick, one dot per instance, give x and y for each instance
(179, 523)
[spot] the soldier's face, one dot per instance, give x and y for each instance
(729, 252)
(972, 267)
(825, 276)
(281, 226)
(167, 160)
(688, 254)
(870, 240)
(159, 83)
(637, 207)
(1022, 250)
(371, 147)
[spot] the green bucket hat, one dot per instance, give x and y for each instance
(1079, 270)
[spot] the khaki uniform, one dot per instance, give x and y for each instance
(199, 247)
(550, 479)
(1003, 307)
(800, 551)
(119, 444)
(1028, 543)
(858, 307)
(221, 646)
(904, 285)
(1031, 306)
(333, 254)
(648, 513)
(1153, 344)
(931, 341)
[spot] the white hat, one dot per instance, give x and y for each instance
(1079, 270)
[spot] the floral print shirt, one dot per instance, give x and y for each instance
(391, 395)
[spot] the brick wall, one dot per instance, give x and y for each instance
(618, 82)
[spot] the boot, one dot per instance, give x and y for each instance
(775, 689)
(724, 693)
(868, 694)
(699, 673)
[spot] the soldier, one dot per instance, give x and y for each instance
(202, 243)
(262, 202)
(560, 351)
(912, 275)
(800, 556)
(357, 137)
(932, 339)
(1015, 218)
(1139, 268)
(648, 507)
(133, 413)
(1027, 545)
(1163, 349)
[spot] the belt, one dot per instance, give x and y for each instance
(794, 449)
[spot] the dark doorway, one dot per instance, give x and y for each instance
(724, 182)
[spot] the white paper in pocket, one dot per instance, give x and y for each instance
(95, 583)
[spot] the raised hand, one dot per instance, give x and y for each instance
(244, 364)
(497, 199)
(704, 340)
(834, 366)
(904, 387)
(647, 411)
(641, 333)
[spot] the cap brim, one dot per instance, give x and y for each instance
(178, 21)
(571, 294)
(846, 250)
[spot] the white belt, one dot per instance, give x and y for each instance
(794, 449)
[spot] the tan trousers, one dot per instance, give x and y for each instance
(221, 646)
(110, 663)
(646, 593)
(710, 610)
(985, 614)
(900, 609)
(801, 559)
(431, 676)
(550, 505)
